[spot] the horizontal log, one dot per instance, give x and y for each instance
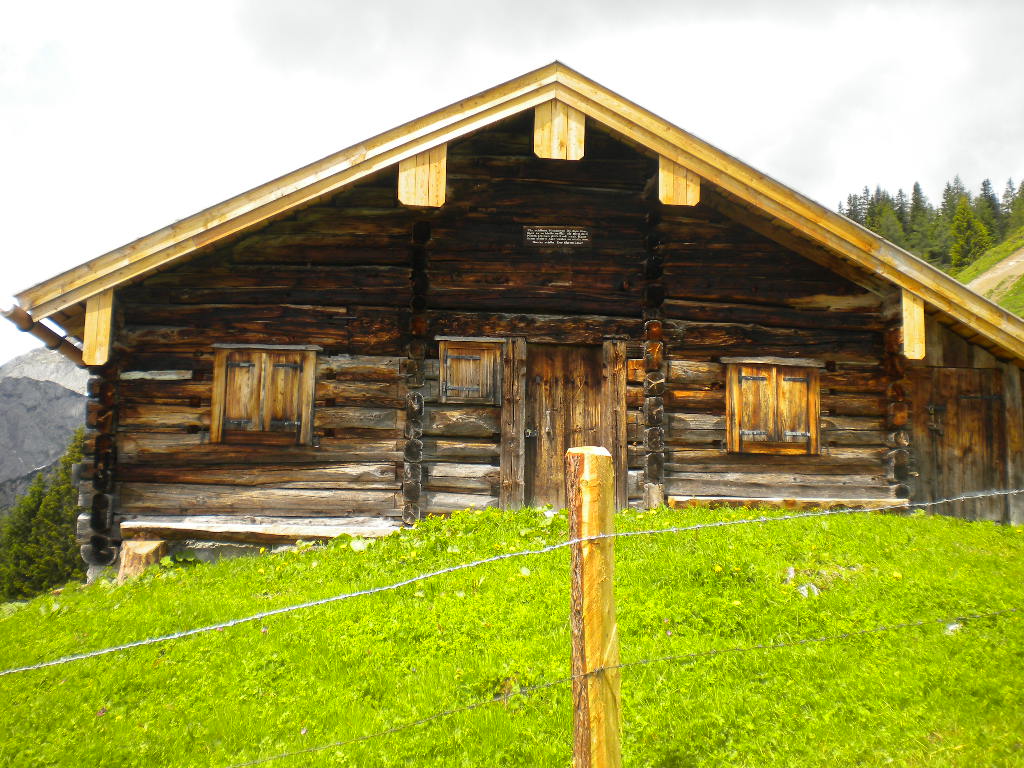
(444, 503)
(465, 421)
(774, 316)
(758, 340)
(141, 392)
(449, 469)
(482, 450)
(145, 416)
(226, 499)
(364, 393)
(698, 375)
(261, 530)
(752, 464)
(546, 328)
(183, 449)
(722, 485)
(348, 417)
(359, 368)
(474, 485)
(787, 502)
(382, 475)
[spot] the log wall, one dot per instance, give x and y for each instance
(375, 283)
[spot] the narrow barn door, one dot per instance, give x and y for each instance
(571, 394)
(959, 439)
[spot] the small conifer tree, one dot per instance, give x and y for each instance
(969, 236)
(37, 541)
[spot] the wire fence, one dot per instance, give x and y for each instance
(679, 657)
(763, 519)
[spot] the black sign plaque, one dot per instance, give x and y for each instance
(556, 237)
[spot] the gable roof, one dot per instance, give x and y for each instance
(784, 211)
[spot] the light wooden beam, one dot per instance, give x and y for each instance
(677, 185)
(590, 498)
(422, 178)
(558, 131)
(913, 327)
(99, 310)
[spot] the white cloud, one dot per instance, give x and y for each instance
(120, 117)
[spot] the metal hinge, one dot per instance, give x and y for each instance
(753, 378)
(293, 366)
(981, 397)
(462, 357)
(237, 423)
(789, 433)
(238, 364)
(795, 378)
(283, 424)
(753, 433)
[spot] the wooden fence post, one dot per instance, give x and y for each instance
(590, 494)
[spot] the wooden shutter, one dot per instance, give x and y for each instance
(752, 400)
(771, 409)
(470, 372)
(797, 421)
(263, 395)
(242, 375)
(282, 400)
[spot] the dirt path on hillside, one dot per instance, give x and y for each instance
(998, 280)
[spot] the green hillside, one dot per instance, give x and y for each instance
(946, 692)
(1013, 243)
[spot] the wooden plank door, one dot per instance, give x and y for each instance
(959, 439)
(563, 410)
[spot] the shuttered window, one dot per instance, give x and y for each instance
(263, 394)
(470, 372)
(772, 409)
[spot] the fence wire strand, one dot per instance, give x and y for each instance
(678, 657)
(904, 505)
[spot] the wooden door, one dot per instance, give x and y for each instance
(563, 410)
(959, 439)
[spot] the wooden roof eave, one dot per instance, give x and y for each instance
(833, 231)
(291, 190)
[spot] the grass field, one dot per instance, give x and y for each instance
(1013, 242)
(928, 695)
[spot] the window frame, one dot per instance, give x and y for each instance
(489, 352)
(304, 394)
(778, 373)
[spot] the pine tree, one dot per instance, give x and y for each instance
(986, 206)
(970, 238)
(951, 195)
(1006, 204)
(37, 542)
(920, 233)
(902, 207)
(1015, 218)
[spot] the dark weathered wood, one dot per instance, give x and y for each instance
(513, 425)
(613, 416)
(960, 439)
(182, 498)
(564, 409)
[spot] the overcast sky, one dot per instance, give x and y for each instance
(117, 118)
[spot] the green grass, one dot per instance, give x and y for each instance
(917, 696)
(1013, 242)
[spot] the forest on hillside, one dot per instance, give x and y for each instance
(950, 236)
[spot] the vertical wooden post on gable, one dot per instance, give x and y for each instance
(99, 311)
(913, 327)
(677, 185)
(558, 131)
(422, 178)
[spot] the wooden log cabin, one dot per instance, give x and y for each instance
(428, 320)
